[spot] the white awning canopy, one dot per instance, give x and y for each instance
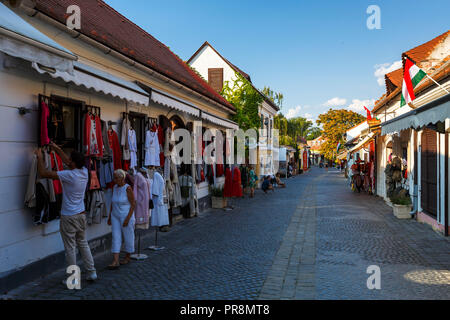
(173, 102)
(363, 142)
(21, 40)
(431, 113)
(220, 121)
(100, 81)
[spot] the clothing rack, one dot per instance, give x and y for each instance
(92, 110)
(150, 122)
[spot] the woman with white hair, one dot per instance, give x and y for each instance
(121, 218)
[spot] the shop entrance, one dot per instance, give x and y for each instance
(429, 172)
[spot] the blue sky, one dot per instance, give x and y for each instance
(313, 52)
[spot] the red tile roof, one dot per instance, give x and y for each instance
(421, 52)
(104, 24)
(393, 80)
(418, 55)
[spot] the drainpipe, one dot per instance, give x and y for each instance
(106, 50)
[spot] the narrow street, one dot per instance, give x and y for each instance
(312, 240)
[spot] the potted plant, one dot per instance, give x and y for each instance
(217, 199)
(402, 206)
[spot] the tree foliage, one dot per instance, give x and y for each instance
(335, 123)
(241, 94)
(314, 133)
(292, 131)
(276, 97)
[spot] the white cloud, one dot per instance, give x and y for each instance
(309, 117)
(358, 105)
(334, 102)
(382, 69)
(294, 112)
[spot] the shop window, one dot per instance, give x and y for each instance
(65, 121)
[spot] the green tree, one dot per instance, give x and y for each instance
(292, 131)
(241, 94)
(276, 97)
(335, 123)
(314, 133)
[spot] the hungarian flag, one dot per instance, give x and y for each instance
(411, 77)
(369, 114)
(338, 147)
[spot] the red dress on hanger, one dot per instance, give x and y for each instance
(115, 146)
(228, 187)
(161, 144)
(236, 186)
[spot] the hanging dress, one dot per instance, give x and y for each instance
(133, 147)
(115, 146)
(160, 215)
(141, 194)
(236, 186)
(152, 149)
(228, 188)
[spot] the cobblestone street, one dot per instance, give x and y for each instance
(312, 240)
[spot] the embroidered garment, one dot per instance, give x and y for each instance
(133, 147)
(160, 215)
(141, 194)
(152, 149)
(93, 142)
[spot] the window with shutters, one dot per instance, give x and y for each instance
(215, 78)
(429, 172)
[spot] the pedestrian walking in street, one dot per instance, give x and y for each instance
(252, 181)
(73, 219)
(121, 219)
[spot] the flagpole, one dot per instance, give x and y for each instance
(436, 83)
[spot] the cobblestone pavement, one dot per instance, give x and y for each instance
(357, 230)
(312, 240)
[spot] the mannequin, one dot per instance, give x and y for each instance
(160, 215)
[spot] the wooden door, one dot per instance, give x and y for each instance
(428, 176)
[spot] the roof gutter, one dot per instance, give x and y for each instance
(106, 50)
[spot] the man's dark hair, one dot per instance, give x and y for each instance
(78, 159)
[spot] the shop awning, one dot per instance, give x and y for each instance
(431, 113)
(176, 103)
(173, 102)
(100, 81)
(21, 40)
(342, 156)
(364, 142)
(220, 121)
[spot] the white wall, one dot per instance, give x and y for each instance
(207, 58)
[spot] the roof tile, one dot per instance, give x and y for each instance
(121, 34)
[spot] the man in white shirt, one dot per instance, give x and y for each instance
(73, 218)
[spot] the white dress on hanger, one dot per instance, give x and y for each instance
(133, 147)
(151, 149)
(160, 215)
